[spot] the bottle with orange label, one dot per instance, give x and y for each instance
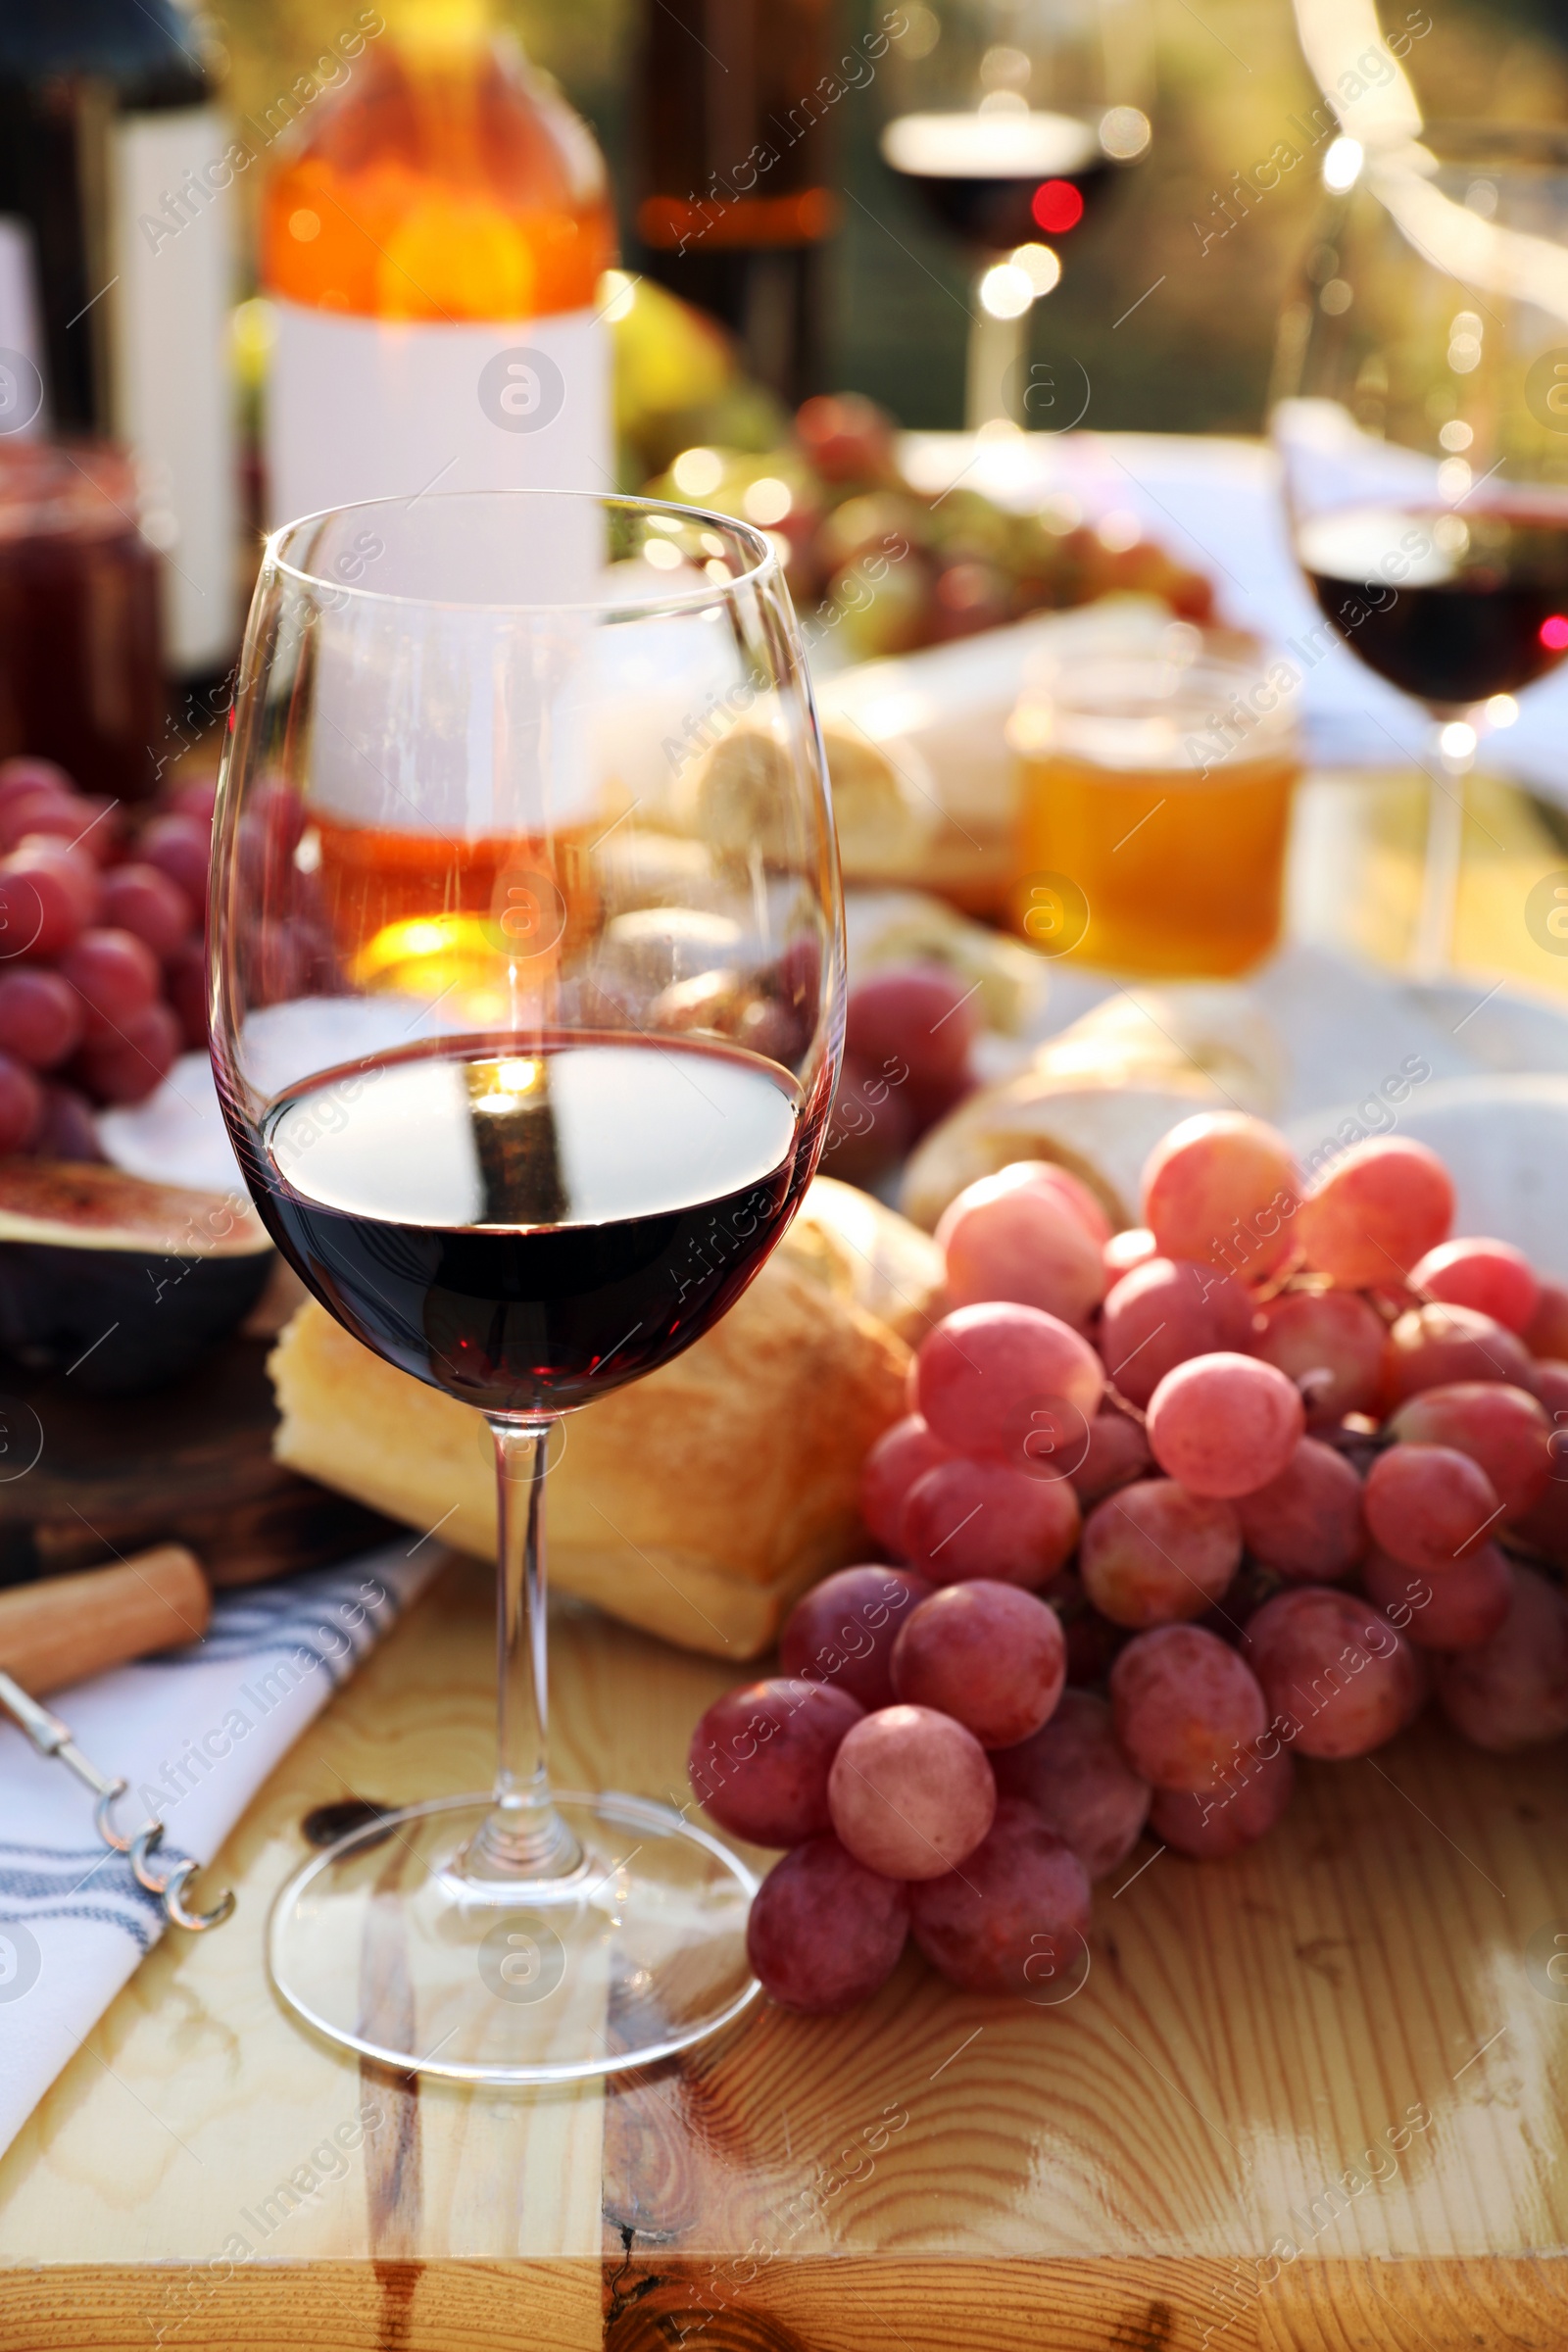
(432, 240)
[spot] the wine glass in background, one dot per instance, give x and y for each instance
(1420, 410)
(527, 996)
(1006, 119)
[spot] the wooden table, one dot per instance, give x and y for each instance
(1309, 2098)
(935, 2172)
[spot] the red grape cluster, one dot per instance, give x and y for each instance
(102, 967)
(907, 1035)
(1271, 1468)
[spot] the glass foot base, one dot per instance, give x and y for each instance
(380, 1944)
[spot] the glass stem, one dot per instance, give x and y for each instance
(524, 1837)
(1453, 755)
(996, 365)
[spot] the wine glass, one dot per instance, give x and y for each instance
(1420, 408)
(1006, 119)
(527, 1001)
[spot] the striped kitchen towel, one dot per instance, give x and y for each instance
(195, 1731)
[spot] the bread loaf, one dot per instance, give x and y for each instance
(1097, 1096)
(696, 1503)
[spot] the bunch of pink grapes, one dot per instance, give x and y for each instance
(1172, 1509)
(102, 980)
(102, 956)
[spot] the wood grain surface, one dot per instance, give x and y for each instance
(1312, 2097)
(1309, 2101)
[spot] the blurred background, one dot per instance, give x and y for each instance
(1228, 76)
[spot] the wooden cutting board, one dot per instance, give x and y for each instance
(1343, 2046)
(83, 1478)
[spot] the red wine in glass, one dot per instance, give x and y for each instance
(997, 181)
(1451, 606)
(528, 1225)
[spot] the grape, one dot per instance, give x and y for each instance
(824, 1932)
(1073, 1193)
(48, 895)
(68, 1130)
(900, 1458)
(967, 1519)
(931, 1099)
(1014, 1918)
(1117, 1451)
(910, 1793)
(1332, 1344)
(197, 799)
(870, 1127)
(1340, 1680)
(1126, 1250)
(21, 1105)
(1079, 1782)
(41, 1016)
(1429, 1505)
(1155, 1553)
(1183, 1703)
(1164, 1312)
(843, 1631)
(44, 812)
(1492, 1277)
(917, 1013)
(1224, 1424)
(181, 848)
(1435, 1347)
(80, 823)
(1376, 1211)
(1547, 1332)
(1504, 1431)
(1221, 1191)
(1457, 1607)
(26, 774)
(1012, 1240)
(185, 979)
(989, 1655)
(141, 900)
(128, 1067)
(116, 977)
(1058, 1184)
(1306, 1523)
(274, 960)
(984, 1370)
(1209, 1828)
(1513, 1691)
(760, 1758)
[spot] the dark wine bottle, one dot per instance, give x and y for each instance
(116, 166)
(733, 133)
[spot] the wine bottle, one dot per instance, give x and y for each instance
(116, 166)
(432, 238)
(733, 132)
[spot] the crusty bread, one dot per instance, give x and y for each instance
(1097, 1096)
(696, 1503)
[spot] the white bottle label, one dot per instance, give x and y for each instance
(375, 407)
(170, 245)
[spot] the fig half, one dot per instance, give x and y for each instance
(119, 1282)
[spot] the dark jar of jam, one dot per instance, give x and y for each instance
(80, 667)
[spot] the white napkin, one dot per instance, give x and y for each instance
(195, 1731)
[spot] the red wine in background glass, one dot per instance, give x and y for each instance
(1450, 605)
(997, 181)
(528, 1225)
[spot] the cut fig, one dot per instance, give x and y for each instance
(119, 1282)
